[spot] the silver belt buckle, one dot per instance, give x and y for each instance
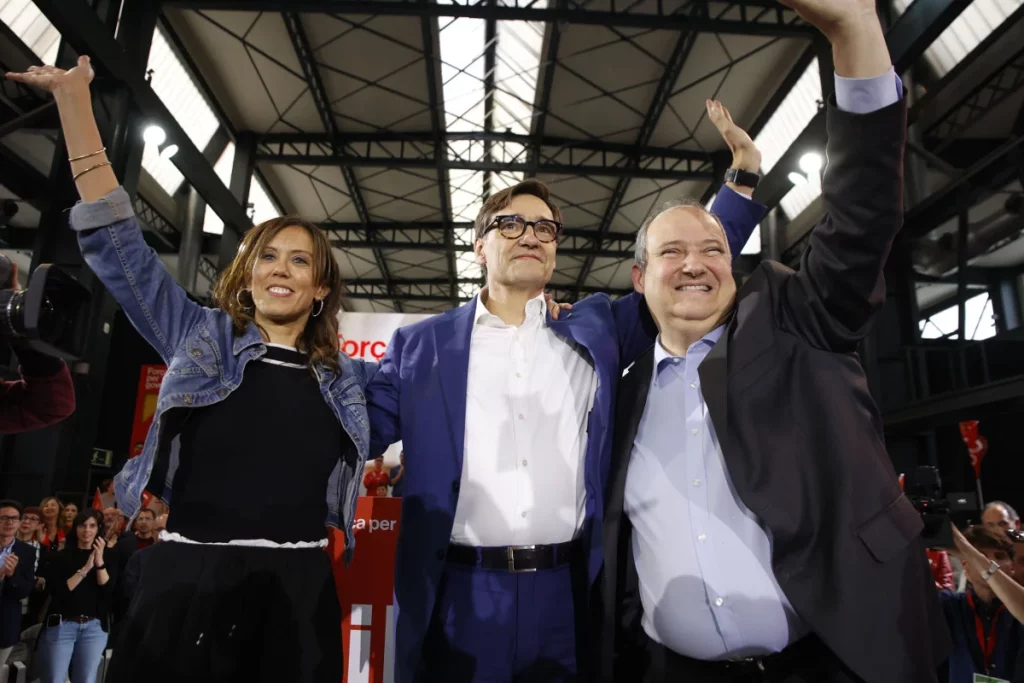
(512, 558)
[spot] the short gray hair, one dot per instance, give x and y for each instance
(1010, 512)
(640, 245)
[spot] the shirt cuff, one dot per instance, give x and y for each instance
(114, 206)
(866, 95)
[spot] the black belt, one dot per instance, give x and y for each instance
(519, 558)
(801, 653)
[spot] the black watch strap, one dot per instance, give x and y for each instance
(740, 177)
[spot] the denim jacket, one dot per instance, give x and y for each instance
(205, 357)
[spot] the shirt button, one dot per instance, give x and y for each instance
(694, 431)
(696, 482)
(524, 462)
(524, 514)
(693, 385)
(702, 538)
(719, 602)
(519, 374)
(521, 416)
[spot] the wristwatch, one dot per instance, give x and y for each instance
(993, 567)
(741, 177)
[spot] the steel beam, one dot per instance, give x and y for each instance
(669, 77)
(435, 290)
(429, 31)
(755, 17)
(388, 139)
(83, 30)
(542, 99)
(307, 60)
(409, 156)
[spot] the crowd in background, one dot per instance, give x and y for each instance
(66, 579)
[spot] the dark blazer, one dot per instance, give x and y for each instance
(12, 590)
(801, 435)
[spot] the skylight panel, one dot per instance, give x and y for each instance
(967, 31)
(33, 28)
(791, 117)
(173, 85)
(212, 223)
(517, 63)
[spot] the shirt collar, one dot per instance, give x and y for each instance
(709, 339)
(9, 547)
(535, 310)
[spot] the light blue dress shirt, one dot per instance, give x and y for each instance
(703, 559)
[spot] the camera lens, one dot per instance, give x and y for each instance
(12, 313)
(52, 321)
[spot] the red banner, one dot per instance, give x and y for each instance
(150, 378)
(366, 590)
(977, 445)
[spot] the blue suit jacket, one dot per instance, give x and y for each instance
(419, 396)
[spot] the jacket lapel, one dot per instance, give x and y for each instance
(451, 337)
(632, 401)
(714, 376)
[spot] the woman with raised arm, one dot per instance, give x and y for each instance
(242, 588)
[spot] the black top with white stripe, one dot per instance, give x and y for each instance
(256, 464)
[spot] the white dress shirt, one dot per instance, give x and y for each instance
(528, 399)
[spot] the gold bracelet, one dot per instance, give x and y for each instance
(90, 154)
(91, 168)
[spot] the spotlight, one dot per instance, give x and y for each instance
(797, 178)
(169, 151)
(154, 135)
(810, 163)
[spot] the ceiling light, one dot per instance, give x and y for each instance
(154, 135)
(797, 178)
(810, 163)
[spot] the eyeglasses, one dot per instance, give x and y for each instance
(1015, 535)
(513, 227)
(10, 518)
(30, 519)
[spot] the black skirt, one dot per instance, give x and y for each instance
(220, 614)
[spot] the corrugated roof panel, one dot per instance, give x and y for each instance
(175, 88)
(966, 32)
(791, 117)
(34, 29)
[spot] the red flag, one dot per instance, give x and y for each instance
(97, 500)
(977, 445)
(147, 497)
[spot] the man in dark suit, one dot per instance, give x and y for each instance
(17, 578)
(755, 529)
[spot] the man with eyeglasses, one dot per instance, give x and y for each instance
(17, 560)
(505, 412)
(1017, 537)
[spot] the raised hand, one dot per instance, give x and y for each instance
(51, 79)
(833, 16)
(97, 550)
(9, 565)
(745, 154)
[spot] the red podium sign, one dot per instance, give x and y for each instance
(366, 590)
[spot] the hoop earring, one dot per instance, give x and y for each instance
(238, 298)
(321, 309)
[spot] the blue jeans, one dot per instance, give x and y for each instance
(78, 645)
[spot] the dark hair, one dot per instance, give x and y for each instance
(231, 293)
(981, 537)
(8, 503)
(80, 519)
(33, 510)
(500, 201)
(146, 510)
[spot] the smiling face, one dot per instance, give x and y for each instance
(29, 523)
(283, 280)
(524, 263)
(688, 274)
(87, 531)
(51, 509)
